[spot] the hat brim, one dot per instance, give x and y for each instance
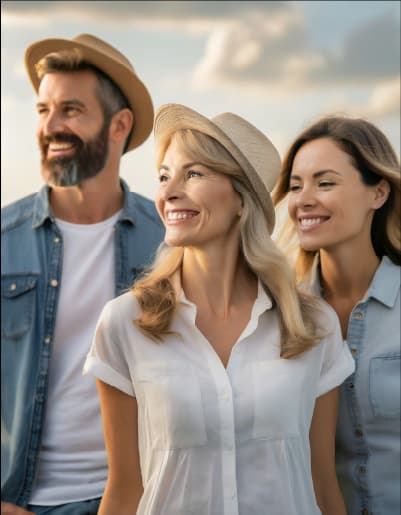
(170, 118)
(133, 89)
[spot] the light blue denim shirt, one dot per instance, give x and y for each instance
(31, 265)
(368, 430)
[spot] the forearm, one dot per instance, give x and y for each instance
(120, 499)
(330, 499)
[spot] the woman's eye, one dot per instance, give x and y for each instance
(326, 184)
(193, 173)
(294, 187)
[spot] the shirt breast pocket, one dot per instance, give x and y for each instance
(384, 385)
(278, 387)
(18, 305)
(169, 396)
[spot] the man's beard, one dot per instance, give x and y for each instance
(87, 161)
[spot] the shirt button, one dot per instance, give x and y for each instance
(354, 352)
(350, 386)
(47, 339)
(54, 283)
(12, 287)
(362, 470)
(358, 315)
(56, 239)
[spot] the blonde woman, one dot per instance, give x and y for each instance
(217, 378)
(341, 179)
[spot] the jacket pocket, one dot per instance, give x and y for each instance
(17, 304)
(384, 385)
(169, 396)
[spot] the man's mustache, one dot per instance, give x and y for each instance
(60, 138)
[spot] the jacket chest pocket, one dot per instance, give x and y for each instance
(169, 397)
(384, 386)
(18, 304)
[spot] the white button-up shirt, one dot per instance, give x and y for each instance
(217, 441)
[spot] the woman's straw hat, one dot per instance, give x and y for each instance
(111, 62)
(252, 150)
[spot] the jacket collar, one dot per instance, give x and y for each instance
(42, 210)
(384, 287)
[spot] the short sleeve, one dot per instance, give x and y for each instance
(106, 360)
(337, 362)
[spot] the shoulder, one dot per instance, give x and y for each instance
(17, 212)
(145, 208)
(120, 310)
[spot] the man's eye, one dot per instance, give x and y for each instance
(163, 178)
(71, 110)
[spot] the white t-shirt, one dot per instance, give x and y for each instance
(216, 441)
(72, 462)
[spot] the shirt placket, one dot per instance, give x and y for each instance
(50, 306)
(355, 336)
(227, 435)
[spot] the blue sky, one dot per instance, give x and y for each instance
(279, 64)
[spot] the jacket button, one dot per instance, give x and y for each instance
(12, 287)
(54, 283)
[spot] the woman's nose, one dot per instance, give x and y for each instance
(305, 197)
(171, 189)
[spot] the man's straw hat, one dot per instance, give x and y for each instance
(111, 62)
(250, 148)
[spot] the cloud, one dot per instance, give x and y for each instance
(384, 101)
(156, 13)
(273, 53)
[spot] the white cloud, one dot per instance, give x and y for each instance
(384, 101)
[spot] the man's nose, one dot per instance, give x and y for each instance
(52, 124)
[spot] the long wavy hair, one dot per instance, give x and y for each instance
(375, 159)
(155, 291)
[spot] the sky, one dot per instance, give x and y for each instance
(280, 65)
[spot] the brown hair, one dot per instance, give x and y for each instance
(374, 158)
(110, 96)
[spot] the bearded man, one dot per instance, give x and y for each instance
(67, 250)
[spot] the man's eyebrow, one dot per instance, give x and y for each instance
(72, 101)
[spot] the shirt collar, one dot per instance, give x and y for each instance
(384, 286)
(42, 210)
(386, 283)
(262, 303)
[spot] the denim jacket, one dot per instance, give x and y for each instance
(368, 429)
(31, 265)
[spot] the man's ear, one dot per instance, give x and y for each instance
(382, 191)
(121, 125)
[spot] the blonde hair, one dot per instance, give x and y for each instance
(374, 158)
(155, 291)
